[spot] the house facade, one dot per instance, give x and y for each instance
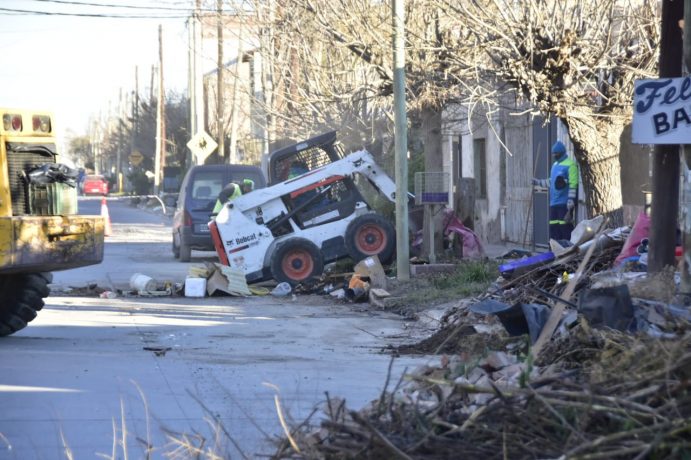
(491, 161)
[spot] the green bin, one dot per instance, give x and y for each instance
(56, 199)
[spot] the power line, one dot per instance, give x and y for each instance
(187, 11)
(107, 5)
(13, 11)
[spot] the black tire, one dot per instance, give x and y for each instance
(21, 297)
(295, 261)
(185, 251)
(369, 235)
(176, 249)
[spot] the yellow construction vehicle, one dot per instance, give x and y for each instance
(40, 230)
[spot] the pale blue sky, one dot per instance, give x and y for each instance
(75, 66)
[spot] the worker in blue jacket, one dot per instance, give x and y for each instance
(563, 192)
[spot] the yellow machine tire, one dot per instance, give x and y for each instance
(21, 297)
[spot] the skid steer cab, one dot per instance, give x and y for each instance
(288, 231)
(40, 230)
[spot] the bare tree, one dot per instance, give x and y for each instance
(576, 60)
(318, 82)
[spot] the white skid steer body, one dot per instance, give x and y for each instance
(289, 230)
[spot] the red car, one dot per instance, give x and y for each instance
(95, 185)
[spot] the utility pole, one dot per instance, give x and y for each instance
(134, 129)
(151, 84)
(685, 284)
(135, 111)
(233, 107)
(160, 160)
(196, 79)
(267, 85)
(401, 143)
(118, 155)
(665, 182)
(96, 143)
(219, 85)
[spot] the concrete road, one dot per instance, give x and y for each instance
(135, 378)
(141, 241)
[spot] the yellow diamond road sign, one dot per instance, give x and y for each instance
(201, 145)
(136, 157)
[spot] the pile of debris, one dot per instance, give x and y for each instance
(209, 279)
(591, 359)
(596, 394)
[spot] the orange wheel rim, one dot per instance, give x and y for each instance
(371, 239)
(297, 264)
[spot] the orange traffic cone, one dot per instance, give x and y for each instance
(107, 230)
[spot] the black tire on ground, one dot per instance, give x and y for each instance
(185, 251)
(21, 296)
(369, 235)
(296, 260)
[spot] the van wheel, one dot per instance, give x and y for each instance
(296, 260)
(370, 235)
(185, 251)
(176, 249)
(21, 296)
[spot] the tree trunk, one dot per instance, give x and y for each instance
(596, 147)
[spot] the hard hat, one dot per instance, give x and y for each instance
(249, 183)
(558, 148)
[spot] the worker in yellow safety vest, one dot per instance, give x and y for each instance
(231, 192)
(563, 193)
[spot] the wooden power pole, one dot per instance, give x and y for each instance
(665, 181)
(685, 284)
(160, 160)
(219, 86)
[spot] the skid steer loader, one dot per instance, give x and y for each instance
(316, 215)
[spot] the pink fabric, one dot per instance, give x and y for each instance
(472, 247)
(640, 230)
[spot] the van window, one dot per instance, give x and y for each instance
(206, 185)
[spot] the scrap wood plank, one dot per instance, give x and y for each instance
(558, 309)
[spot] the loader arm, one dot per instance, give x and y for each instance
(367, 167)
(360, 162)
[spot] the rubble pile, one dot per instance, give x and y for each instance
(593, 394)
(568, 355)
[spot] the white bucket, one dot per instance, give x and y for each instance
(195, 287)
(142, 282)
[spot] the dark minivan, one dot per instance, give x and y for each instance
(198, 194)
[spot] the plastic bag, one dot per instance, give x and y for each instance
(50, 173)
(283, 289)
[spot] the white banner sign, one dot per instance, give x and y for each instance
(662, 111)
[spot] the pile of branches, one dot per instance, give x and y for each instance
(599, 394)
(538, 284)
